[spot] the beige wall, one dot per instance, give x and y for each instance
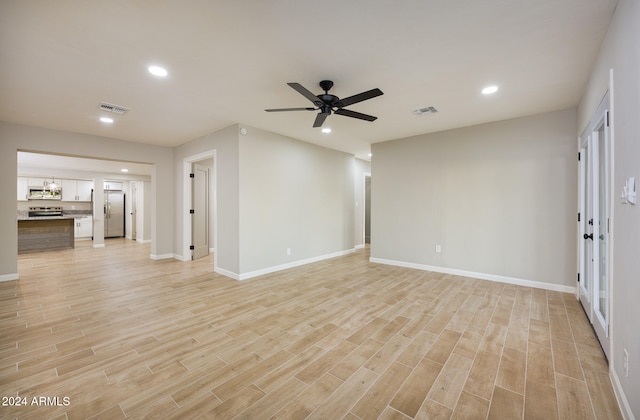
(620, 51)
(293, 195)
(499, 198)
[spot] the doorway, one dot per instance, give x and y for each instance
(200, 211)
(594, 222)
(134, 210)
(199, 236)
(367, 209)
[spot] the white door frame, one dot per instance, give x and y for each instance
(186, 203)
(364, 207)
(591, 221)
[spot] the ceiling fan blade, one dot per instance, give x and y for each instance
(290, 109)
(306, 93)
(353, 114)
(359, 97)
(320, 119)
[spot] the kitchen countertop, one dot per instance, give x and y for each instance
(50, 217)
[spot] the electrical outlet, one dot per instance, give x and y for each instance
(625, 363)
(438, 248)
(288, 251)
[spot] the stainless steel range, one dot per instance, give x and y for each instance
(45, 211)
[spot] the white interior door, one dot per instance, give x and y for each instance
(594, 224)
(134, 211)
(601, 234)
(586, 229)
(200, 216)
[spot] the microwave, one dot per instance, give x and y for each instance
(44, 193)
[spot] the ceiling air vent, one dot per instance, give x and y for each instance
(114, 109)
(425, 110)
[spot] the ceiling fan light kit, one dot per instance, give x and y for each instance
(327, 103)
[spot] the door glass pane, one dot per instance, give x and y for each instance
(603, 184)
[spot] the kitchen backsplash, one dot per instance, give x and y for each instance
(67, 208)
(76, 212)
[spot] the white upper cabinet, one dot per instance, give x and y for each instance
(23, 188)
(112, 185)
(84, 190)
(76, 190)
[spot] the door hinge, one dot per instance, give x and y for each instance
(607, 118)
(578, 217)
(191, 247)
(578, 156)
(578, 277)
(192, 175)
(192, 211)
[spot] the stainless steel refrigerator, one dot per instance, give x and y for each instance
(114, 214)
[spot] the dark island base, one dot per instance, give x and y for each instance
(45, 235)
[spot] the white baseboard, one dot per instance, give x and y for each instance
(482, 276)
(625, 408)
(360, 246)
(181, 258)
(9, 277)
(263, 271)
(98, 245)
(227, 273)
(162, 256)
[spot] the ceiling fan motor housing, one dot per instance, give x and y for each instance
(326, 85)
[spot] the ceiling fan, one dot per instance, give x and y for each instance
(328, 103)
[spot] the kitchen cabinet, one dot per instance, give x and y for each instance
(76, 190)
(112, 185)
(83, 227)
(36, 182)
(23, 188)
(45, 234)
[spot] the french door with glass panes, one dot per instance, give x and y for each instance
(595, 223)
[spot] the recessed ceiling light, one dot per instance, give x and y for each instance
(106, 120)
(124, 170)
(489, 90)
(158, 71)
(326, 130)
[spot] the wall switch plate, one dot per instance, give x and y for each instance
(629, 191)
(438, 248)
(625, 363)
(288, 251)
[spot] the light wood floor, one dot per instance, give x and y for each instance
(122, 336)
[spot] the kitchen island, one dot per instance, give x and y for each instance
(45, 233)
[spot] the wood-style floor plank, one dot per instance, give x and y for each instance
(123, 336)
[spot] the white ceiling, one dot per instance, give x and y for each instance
(229, 60)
